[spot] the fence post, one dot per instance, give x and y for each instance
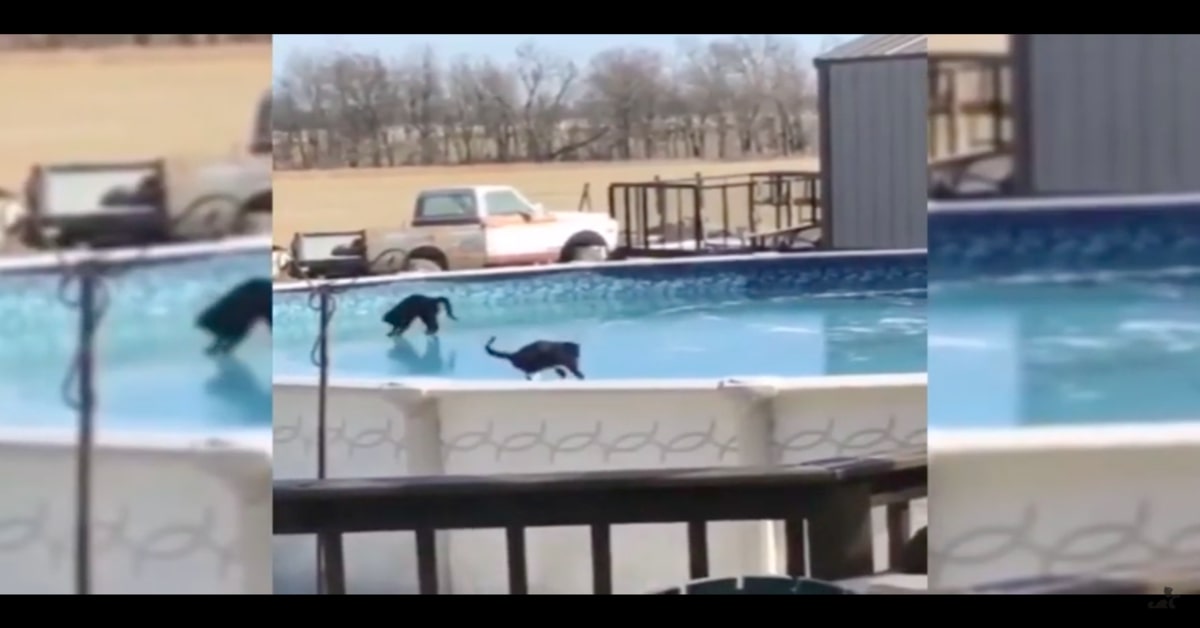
(324, 544)
(323, 377)
(660, 208)
(87, 407)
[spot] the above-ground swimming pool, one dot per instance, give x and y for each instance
(786, 315)
(151, 371)
(1064, 312)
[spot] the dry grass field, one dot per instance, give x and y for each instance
(337, 200)
(126, 103)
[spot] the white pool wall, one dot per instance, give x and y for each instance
(1015, 503)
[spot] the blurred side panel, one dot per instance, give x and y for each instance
(134, 198)
(1064, 251)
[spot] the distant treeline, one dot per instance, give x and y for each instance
(740, 97)
(64, 42)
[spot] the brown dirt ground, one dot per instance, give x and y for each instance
(341, 200)
(119, 104)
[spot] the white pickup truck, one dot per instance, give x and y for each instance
(459, 228)
(147, 202)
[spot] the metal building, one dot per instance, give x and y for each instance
(872, 99)
(1106, 113)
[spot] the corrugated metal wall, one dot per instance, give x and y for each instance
(1113, 113)
(877, 152)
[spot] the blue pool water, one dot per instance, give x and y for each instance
(787, 315)
(151, 371)
(1103, 350)
(1086, 316)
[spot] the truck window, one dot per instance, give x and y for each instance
(446, 207)
(505, 203)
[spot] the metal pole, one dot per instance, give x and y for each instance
(322, 388)
(323, 382)
(87, 407)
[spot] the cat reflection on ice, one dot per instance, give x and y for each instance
(241, 391)
(431, 362)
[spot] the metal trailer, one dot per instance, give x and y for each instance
(1106, 113)
(970, 95)
(758, 211)
(970, 126)
(98, 204)
(872, 99)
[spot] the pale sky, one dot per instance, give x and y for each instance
(577, 47)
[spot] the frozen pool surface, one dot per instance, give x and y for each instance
(150, 369)
(784, 336)
(1060, 310)
(720, 319)
(1099, 351)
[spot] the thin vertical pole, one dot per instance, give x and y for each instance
(323, 382)
(322, 388)
(87, 408)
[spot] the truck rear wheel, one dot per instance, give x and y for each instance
(588, 253)
(422, 265)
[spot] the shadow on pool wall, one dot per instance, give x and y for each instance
(1089, 308)
(182, 456)
(397, 426)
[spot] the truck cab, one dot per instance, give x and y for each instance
(486, 226)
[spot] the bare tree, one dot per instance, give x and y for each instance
(747, 60)
(365, 103)
(743, 96)
(548, 82)
(499, 94)
(792, 93)
(306, 106)
(422, 101)
(705, 81)
(464, 106)
(623, 90)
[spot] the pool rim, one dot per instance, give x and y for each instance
(758, 385)
(1124, 202)
(549, 269)
(148, 441)
(51, 262)
(1081, 436)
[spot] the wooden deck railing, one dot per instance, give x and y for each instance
(835, 497)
